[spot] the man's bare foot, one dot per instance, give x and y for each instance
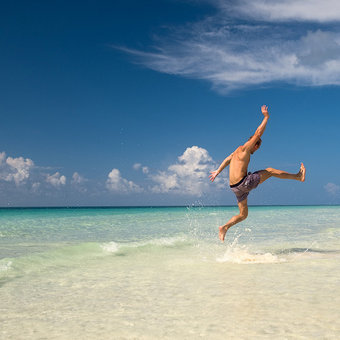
(222, 232)
(302, 173)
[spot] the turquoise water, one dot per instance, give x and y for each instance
(162, 273)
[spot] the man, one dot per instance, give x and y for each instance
(241, 181)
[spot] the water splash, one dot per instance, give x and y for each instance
(241, 254)
(244, 256)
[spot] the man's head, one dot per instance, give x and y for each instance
(256, 146)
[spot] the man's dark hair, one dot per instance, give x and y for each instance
(258, 143)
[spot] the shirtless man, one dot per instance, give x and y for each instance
(241, 181)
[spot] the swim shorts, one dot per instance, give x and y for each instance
(245, 185)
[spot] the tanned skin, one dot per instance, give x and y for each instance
(238, 162)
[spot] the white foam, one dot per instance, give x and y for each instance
(170, 241)
(111, 247)
(161, 242)
(5, 266)
(242, 255)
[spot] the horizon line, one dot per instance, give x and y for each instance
(161, 206)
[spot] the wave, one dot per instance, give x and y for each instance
(69, 255)
(124, 248)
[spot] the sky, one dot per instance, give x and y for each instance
(115, 103)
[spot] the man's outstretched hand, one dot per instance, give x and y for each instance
(213, 175)
(264, 110)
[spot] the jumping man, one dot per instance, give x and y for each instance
(241, 181)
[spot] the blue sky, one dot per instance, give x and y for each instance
(134, 102)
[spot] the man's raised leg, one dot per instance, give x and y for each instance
(269, 172)
(243, 206)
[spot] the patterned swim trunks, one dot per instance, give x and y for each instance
(245, 185)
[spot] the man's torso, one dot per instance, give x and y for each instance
(238, 165)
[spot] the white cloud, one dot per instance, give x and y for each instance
(78, 182)
(2, 157)
(145, 170)
(117, 183)
(35, 186)
(332, 188)
(189, 175)
(137, 166)
(56, 179)
(15, 169)
(231, 53)
(165, 182)
(305, 10)
(77, 179)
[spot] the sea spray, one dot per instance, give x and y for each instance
(241, 254)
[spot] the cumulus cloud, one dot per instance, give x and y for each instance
(188, 176)
(56, 179)
(332, 188)
(165, 182)
(15, 169)
(244, 44)
(117, 183)
(77, 179)
(78, 182)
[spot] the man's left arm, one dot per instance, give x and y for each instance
(223, 165)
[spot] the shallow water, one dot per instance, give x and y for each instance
(162, 273)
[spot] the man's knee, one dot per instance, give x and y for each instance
(270, 170)
(243, 207)
(243, 215)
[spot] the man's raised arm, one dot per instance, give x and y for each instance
(259, 131)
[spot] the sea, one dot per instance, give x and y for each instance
(162, 273)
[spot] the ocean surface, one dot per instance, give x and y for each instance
(162, 273)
